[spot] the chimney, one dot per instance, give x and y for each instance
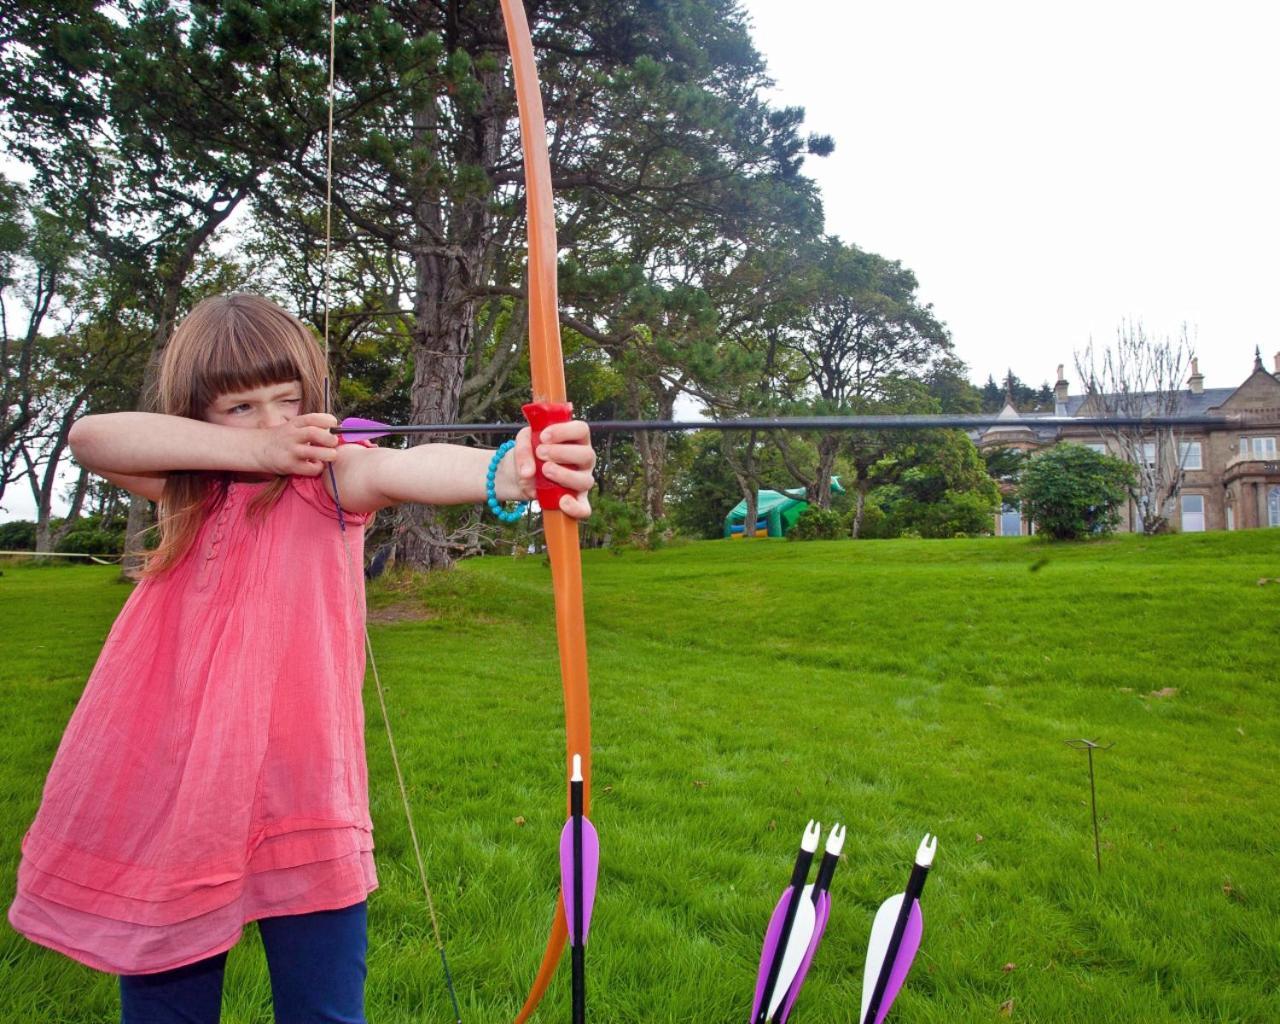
(1196, 380)
(1278, 362)
(1060, 389)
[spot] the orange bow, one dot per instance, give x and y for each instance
(546, 365)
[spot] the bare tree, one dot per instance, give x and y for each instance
(1141, 375)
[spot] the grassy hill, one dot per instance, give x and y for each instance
(741, 689)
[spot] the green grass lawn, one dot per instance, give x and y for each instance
(740, 689)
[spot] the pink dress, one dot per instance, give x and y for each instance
(213, 771)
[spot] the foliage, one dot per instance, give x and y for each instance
(18, 535)
(993, 396)
(819, 524)
(704, 493)
(942, 488)
(92, 535)
(1004, 464)
(1071, 492)
(614, 523)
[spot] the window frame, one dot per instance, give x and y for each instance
(1195, 516)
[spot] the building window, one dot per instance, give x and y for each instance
(1273, 507)
(1010, 520)
(1096, 446)
(1193, 513)
(1190, 455)
(1149, 454)
(1262, 447)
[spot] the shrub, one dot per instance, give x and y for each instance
(94, 535)
(818, 524)
(19, 535)
(1071, 492)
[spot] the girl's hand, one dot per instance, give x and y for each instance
(300, 446)
(568, 460)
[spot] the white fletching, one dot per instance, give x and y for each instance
(812, 833)
(928, 847)
(797, 946)
(878, 947)
(835, 840)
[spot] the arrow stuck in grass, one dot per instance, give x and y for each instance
(895, 938)
(795, 929)
(579, 869)
(819, 894)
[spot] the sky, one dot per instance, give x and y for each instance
(1049, 171)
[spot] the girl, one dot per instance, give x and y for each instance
(213, 772)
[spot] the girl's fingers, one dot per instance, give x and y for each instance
(579, 456)
(320, 436)
(575, 508)
(577, 480)
(569, 432)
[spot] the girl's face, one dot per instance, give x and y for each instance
(267, 406)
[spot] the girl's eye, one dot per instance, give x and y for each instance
(235, 410)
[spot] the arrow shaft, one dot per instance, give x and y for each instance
(905, 422)
(578, 951)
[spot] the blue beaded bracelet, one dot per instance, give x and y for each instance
(507, 516)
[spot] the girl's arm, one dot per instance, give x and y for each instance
(445, 474)
(137, 450)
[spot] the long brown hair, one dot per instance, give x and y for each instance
(228, 343)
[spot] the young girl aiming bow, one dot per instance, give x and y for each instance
(213, 772)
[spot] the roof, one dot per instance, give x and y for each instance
(1014, 422)
(1189, 404)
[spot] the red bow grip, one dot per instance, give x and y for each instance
(540, 416)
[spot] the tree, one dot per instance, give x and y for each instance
(865, 339)
(37, 251)
(1139, 376)
(941, 487)
(1072, 492)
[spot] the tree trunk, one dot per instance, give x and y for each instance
(444, 318)
(653, 459)
(860, 506)
(828, 446)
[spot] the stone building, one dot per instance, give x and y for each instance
(1231, 474)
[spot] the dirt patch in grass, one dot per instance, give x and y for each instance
(401, 611)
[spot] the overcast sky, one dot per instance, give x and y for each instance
(1048, 170)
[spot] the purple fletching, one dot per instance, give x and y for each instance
(356, 423)
(823, 912)
(902, 962)
(771, 936)
(590, 872)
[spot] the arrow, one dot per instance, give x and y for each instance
(895, 937)
(579, 869)
(820, 894)
(371, 428)
(787, 938)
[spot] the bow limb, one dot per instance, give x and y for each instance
(546, 364)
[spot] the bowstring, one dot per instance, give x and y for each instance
(346, 542)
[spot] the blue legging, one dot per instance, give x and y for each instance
(317, 965)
